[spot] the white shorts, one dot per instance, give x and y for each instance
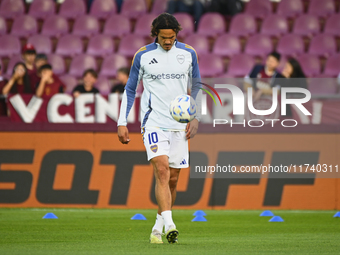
(173, 144)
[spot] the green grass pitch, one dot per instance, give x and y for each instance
(96, 231)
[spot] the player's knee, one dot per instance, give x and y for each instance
(163, 175)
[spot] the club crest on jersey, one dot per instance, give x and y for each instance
(154, 148)
(180, 59)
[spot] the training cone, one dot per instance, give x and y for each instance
(267, 213)
(276, 219)
(138, 216)
(50, 216)
(337, 215)
(199, 218)
(199, 213)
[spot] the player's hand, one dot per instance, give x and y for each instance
(191, 128)
(123, 134)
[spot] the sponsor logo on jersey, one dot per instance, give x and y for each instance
(180, 59)
(168, 76)
(153, 61)
(154, 148)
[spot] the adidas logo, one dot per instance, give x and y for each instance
(183, 162)
(153, 61)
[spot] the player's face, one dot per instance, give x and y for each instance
(166, 38)
(272, 63)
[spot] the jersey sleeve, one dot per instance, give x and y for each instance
(196, 83)
(130, 89)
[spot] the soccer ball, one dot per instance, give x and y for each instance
(183, 108)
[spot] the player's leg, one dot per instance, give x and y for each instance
(174, 174)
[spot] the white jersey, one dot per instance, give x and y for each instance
(165, 75)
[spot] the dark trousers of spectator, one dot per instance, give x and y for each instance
(196, 10)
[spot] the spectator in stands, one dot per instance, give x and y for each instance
(28, 55)
(19, 82)
(193, 7)
(295, 77)
(49, 84)
(122, 77)
(89, 79)
(3, 108)
(229, 7)
(40, 60)
(263, 77)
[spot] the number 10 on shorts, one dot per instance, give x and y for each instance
(153, 138)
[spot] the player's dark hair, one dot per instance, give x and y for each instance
(165, 21)
(297, 70)
(275, 55)
(26, 80)
(90, 71)
(124, 70)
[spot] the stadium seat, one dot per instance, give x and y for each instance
(332, 67)
(290, 8)
(186, 22)
(322, 8)
(70, 82)
(310, 64)
(133, 8)
(104, 85)
(80, 63)
(159, 6)
(322, 86)
(227, 45)
(274, 25)
(259, 8)
(199, 42)
(130, 44)
(12, 61)
(259, 45)
(240, 65)
(41, 9)
(85, 26)
(211, 65)
(69, 45)
(42, 43)
(55, 26)
(24, 25)
(243, 25)
(100, 45)
(323, 45)
(3, 26)
(111, 64)
(102, 9)
(9, 45)
(291, 45)
(10, 9)
(72, 8)
(117, 26)
(58, 64)
(332, 26)
(306, 25)
(143, 24)
(211, 24)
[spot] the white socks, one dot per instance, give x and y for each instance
(158, 224)
(167, 217)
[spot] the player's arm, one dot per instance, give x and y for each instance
(191, 128)
(128, 99)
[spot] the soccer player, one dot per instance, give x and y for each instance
(166, 67)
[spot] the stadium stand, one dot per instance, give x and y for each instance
(41, 43)
(102, 9)
(24, 26)
(243, 25)
(100, 46)
(80, 63)
(227, 45)
(211, 24)
(9, 45)
(86, 26)
(69, 45)
(186, 22)
(11, 8)
(259, 8)
(117, 26)
(111, 64)
(41, 9)
(212, 66)
(199, 42)
(275, 25)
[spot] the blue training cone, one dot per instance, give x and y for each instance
(267, 213)
(337, 215)
(276, 219)
(138, 216)
(199, 218)
(199, 213)
(50, 216)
